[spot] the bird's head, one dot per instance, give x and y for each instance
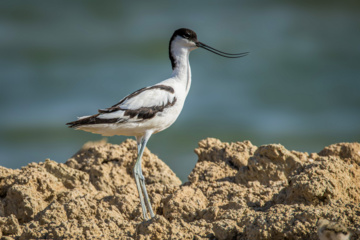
(186, 38)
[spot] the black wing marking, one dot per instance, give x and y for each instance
(142, 113)
(91, 120)
(117, 107)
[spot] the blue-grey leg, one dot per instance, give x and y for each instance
(137, 179)
(138, 171)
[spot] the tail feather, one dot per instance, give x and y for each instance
(90, 120)
(83, 121)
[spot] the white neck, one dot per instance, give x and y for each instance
(181, 70)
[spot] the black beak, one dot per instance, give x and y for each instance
(220, 53)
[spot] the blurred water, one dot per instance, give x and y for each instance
(61, 59)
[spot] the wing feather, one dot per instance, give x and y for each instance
(140, 105)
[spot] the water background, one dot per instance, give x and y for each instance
(300, 85)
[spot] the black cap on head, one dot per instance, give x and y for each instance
(185, 33)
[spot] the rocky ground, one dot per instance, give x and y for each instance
(235, 191)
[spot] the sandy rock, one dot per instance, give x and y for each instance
(213, 150)
(236, 191)
(325, 180)
(349, 152)
(225, 229)
(93, 195)
(186, 203)
(270, 163)
(29, 191)
(107, 164)
(10, 226)
(219, 160)
(157, 228)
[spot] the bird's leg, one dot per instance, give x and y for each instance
(144, 141)
(137, 174)
(139, 177)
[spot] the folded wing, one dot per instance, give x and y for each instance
(139, 106)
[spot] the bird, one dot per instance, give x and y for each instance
(332, 231)
(152, 109)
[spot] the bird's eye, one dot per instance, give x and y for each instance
(187, 35)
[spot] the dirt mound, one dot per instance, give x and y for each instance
(235, 191)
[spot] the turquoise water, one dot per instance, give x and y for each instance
(61, 59)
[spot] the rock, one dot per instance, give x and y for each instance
(325, 180)
(225, 229)
(236, 191)
(186, 203)
(92, 195)
(219, 160)
(349, 152)
(270, 163)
